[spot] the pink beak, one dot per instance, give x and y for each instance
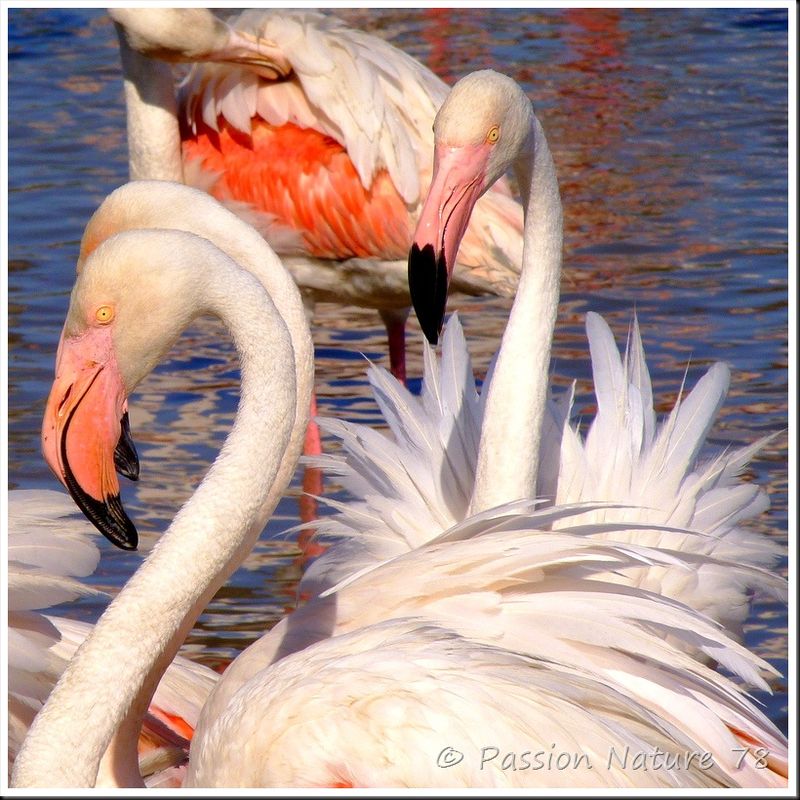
(85, 432)
(458, 181)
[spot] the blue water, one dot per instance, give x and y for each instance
(669, 132)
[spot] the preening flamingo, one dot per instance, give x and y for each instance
(50, 550)
(318, 135)
(462, 642)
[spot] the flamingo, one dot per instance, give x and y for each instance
(317, 134)
(463, 642)
(452, 456)
(49, 551)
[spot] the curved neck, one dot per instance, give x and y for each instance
(145, 204)
(508, 455)
(154, 140)
(108, 685)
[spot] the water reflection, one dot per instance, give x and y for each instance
(669, 132)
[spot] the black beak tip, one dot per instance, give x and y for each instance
(126, 459)
(116, 525)
(111, 520)
(432, 328)
(108, 517)
(427, 285)
(120, 531)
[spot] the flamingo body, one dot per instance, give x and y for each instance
(347, 88)
(385, 705)
(687, 503)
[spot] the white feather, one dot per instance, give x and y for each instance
(643, 488)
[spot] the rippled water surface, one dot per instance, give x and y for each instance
(669, 132)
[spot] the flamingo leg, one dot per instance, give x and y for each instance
(395, 322)
(312, 487)
(312, 476)
(313, 442)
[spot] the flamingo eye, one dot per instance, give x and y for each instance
(104, 314)
(493, 135)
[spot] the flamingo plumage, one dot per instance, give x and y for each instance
(50, 551)
(427, 469)
(466, 619)
(318, 135)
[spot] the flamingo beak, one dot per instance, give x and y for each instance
(86, 434)
(458, 182)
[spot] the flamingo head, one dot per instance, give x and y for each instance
(195, 34)
(123, 317)
(482, 128)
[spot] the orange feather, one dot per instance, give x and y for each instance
(308, 182)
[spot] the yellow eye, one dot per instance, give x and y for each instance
(493, 135)
(104, 314)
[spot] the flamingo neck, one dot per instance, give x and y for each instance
(109, 683)
(508, 454)
(154, 139)
(146, 204)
